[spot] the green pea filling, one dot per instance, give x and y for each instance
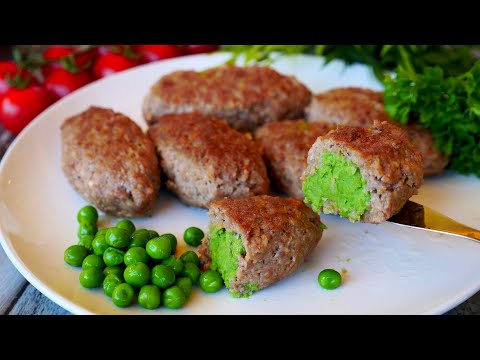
(337, 187)
(225, 249)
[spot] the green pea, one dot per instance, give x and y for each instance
(87, 214)
(99, 245)
(329, 279)
(173, 241)
(113, 256)
(75, 254)
(137, 274)
(193, 236)
(93, 261)
(190, 257)
(211, 281)
(86, 229)
(115, 270)
(163, 276)
(159, 248)
(174, 263)
(127, 225)
(117, 238)
(192, 271)
(174, 298)
(136, 255)
(110, 283)
(91, 278)
(86, 241)
(149, 297)
(123, 294)
(185, 283)
(139, 238)
(152, 234)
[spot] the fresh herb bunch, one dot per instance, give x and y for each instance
(454, 60)
(447, 105)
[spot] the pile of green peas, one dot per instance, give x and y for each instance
(130, 263)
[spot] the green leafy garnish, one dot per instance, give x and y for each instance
(447, 105)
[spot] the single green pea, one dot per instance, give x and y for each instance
(123, 294)
(192, 271)
(86, 241)
(193, 236)
(174, 298)
(127, 225)
(113, 256)
(211, 281)
(115, 270)
(110, 283)
(149, 297)
(174, 263)
(190, 257)
(86, 229)
(75, 254)
(91, 278)
(137, 274)
(152, 234)
(135, 255)
(329, 279)
(163, 276)
(185, 283)
(117, 238)
(87, 214)
(93, 261)
(159, 248)
(139, 238)
(99, 245)
(173, 241)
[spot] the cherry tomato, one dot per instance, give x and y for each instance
(55, 53)
(151, 53)
(199, 49)
(19, 106)
(61, 82)
(107, 49)
(111, 63)
(8, 69)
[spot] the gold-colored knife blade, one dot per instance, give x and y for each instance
(420, 216)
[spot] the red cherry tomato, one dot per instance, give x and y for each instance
(8, 69)
(54, 53)
(107, 49)
(111, 63)
(151, 53)
(61, 82)
(200, 49)
(19, 107)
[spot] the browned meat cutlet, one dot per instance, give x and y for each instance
(285, 146)
(361, 107)
(110, 162)
(391, 166)
(205, 160)
(269, 238)
(246, 97)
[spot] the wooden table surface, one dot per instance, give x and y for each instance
(18, 297)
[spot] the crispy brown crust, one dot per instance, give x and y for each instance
(277, 233)
(391, 165)
(109, 160)
(285, 146)
(205, 160)
(246, 97)
(362, 107)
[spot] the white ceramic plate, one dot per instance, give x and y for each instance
(389, 269)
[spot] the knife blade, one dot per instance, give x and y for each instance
(420, 216)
